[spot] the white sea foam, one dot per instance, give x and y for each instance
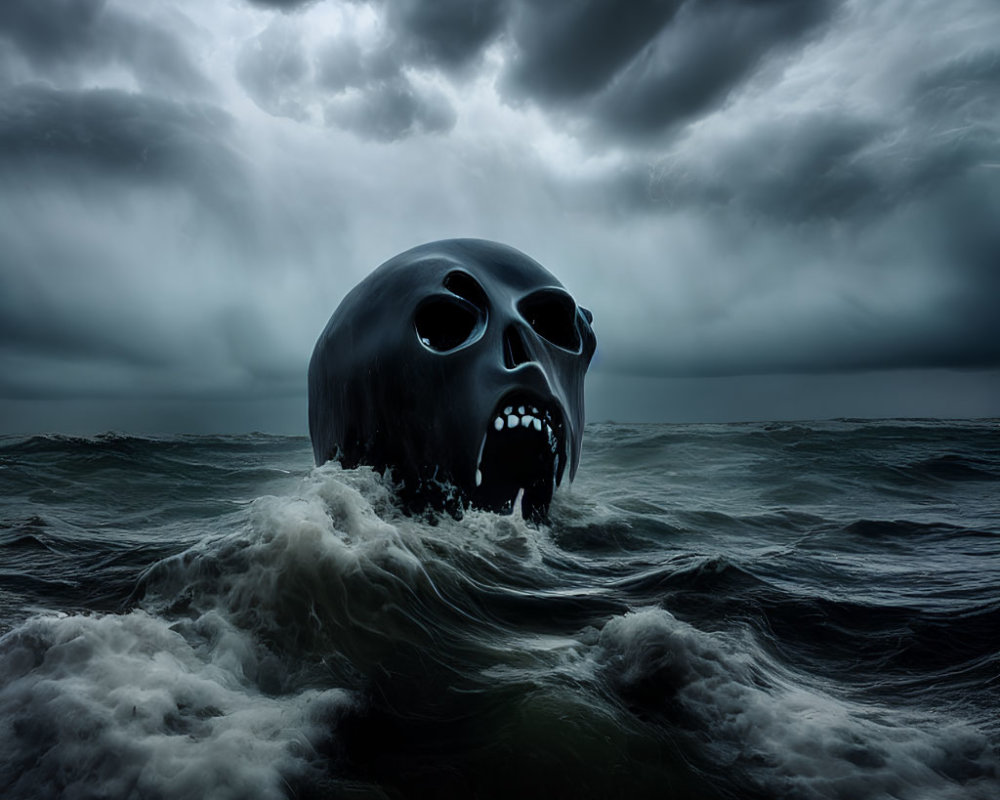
(125, 706)
(208, 690)
(796, 740)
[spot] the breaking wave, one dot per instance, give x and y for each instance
(658, 637)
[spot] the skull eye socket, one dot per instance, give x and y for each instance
(467, 287)
(446, 322)
(552, 315)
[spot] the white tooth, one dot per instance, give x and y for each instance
(520, 409)
(508, 410)
(498, 423)
(512, 421)
(526, 420)
(479, 478)
(538, 424)
(534, 410)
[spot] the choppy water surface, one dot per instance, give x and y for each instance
(713, 611)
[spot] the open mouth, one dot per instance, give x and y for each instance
(524, 448)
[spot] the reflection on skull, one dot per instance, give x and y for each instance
(459, 365)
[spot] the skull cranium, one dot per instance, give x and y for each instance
(460, 365)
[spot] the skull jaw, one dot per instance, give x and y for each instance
(523, 453)
(522, 458)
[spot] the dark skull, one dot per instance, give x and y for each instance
(458, 364)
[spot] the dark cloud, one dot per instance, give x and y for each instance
(56, 30)
(448, 33)
(624, 70)
(342, 65)
(766, 186)
(61, 36)
(941, 337)
(445, 33)
(933, 144)
(709, 48)
(793, 169)
(81, 326)
(962, 88)
(565, 51)
(35, 322)
(70, 321)
(965, 214)
(635, 69)
(363, 90)
(912, 233)
(106, 193)
(895, 196)
(391, 110)
(68, 270)
(110, 132)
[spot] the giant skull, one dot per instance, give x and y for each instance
(459, 365)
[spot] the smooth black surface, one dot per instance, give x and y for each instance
(423, 356)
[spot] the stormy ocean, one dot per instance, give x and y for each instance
(806, 610)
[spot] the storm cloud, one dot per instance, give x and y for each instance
(67, 40)
(745, 192)
(45, 131)
(365, 91)
(634, 72)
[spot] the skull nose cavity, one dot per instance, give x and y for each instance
(514, 351)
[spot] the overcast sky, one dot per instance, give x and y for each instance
(775, 208)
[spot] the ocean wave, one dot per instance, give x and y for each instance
(954, 467)
(126, 706)
(787, 737)
(680, 631)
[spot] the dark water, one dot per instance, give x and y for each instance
(714, 611)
